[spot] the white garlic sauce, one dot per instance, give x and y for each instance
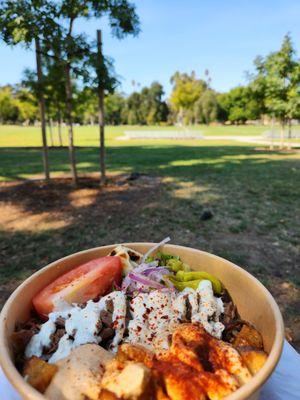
(154, 316)
(82, 326)
(153, 320)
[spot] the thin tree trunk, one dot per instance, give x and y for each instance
(42, 108)
(290, 128)
(69, 109)
(282, 135)
(51, 132)
(272, 133)
(101, 110)
(290, 133)
(59, 128)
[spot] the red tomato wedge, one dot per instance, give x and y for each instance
(83, 283)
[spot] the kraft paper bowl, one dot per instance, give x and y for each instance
(255, 304)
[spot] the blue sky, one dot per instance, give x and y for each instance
(223, 36)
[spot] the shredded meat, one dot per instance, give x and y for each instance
(230, 314)
(21, 337)
(55, 338)
(106, 317)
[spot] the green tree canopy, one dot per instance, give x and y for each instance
(8, 106)
(114, 105)
(187, 89)
(17, 105)
(239, 105)
(277, 82)
(147, 106)
(206, 107)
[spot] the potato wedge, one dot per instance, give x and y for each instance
(248, 336)
(253, 358)
(106, 395)
(39, 373)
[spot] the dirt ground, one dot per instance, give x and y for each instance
(41, 223)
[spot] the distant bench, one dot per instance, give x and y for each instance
(145, 134)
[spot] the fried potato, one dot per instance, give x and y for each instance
(179, 380)
(183, 389)
(106, 395)
(159, 393)
(136, 353)
(218, 385)
(197, 366)
(127, 380)
(192, 345)
(224, 356)
(187, 339)
(248, 336)
(253, 358)
(39, 373)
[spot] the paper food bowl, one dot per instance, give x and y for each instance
(255, 304)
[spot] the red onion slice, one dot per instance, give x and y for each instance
(145, 281)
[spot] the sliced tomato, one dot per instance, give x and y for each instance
(83, 283)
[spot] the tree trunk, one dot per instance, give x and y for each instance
(290, 128)
(289, 134)
(282, 135)
(42, 107)
(69, 110)
(51, 132)
(101, 110)
(59, 128)
(272, 133)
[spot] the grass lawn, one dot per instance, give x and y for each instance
(253, 194)
(19, 136)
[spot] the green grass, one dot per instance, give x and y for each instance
(19, 136)
(26, 162)
(253, 194)
(20, 163)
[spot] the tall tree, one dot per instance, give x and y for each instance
(240, 104)
(146, 107)
(206, 108)
(55, 93)
(27, 105)
(277, 81)
(30, 22)
(41, 99)
(114, 105)
(154, 108)
(187, 89)
(8, 107)
(75, 48)
(101, 88)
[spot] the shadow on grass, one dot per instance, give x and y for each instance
(183, 161)
(254, 197)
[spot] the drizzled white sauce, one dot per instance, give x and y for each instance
(42, 339)
(153, 319)
(119, 315)
(207, 308)
(82, 326)
(154, 316)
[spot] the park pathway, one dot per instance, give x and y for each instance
(253, 139)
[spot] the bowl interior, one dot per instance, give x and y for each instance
(254, 303)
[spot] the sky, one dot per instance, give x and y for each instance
(223, 36)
